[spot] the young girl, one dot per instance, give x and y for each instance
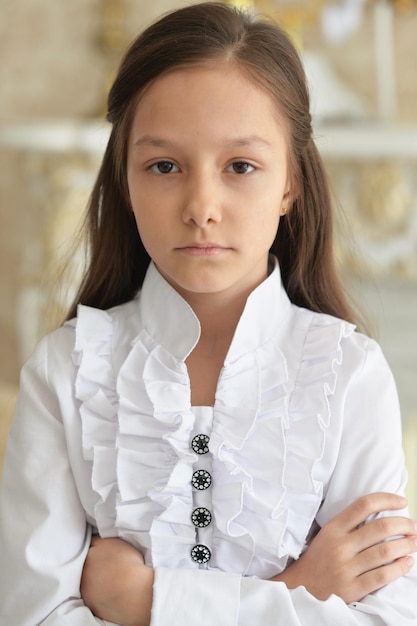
(204, 439)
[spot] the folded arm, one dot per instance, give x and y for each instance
(347, 558)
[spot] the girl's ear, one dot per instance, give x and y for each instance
(286, 202)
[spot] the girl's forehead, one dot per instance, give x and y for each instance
(222, 87)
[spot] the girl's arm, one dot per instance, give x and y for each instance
(44, 534)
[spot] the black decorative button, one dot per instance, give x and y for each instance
(201, 517)
(200, 554)
(200, 443)
(201, 479)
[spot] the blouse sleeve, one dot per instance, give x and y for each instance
(367, 458)
(44, 535)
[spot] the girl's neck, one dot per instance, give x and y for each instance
(218, 319)
(218, 322)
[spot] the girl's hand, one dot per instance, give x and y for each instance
(351, 559)
(116, 585)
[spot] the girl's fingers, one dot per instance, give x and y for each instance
(384, 554)
(381, 529)
(358, 512)
(377, 578)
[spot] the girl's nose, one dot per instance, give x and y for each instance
(202, 201)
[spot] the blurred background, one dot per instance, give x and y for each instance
(58, 60)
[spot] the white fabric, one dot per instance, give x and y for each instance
(306, 420)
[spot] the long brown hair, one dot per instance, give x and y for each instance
(190, 36)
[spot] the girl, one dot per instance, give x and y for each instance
(208, 413)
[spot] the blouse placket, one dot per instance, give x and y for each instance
(201, 482)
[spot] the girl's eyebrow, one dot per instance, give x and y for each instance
(248, 141)
(158, 142)
(153, 141)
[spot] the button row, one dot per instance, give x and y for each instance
(201, 517)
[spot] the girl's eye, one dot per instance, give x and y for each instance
(164, 167)
(240, 167)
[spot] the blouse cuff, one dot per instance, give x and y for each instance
(195, 597)
(207, 597)
(272, 603)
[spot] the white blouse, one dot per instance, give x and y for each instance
(218, 499)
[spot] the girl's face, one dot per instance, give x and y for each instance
(207, 173)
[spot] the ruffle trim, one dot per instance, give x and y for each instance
(156, 422)
(139, 446)
(264, 511)
(310, 417)
(250, 414)
(95, 389)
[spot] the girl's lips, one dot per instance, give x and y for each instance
(209, 249)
